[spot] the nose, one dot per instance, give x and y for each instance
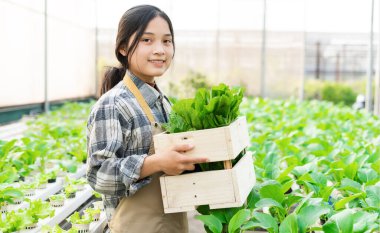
(159, 49)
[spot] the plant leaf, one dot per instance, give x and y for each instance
(266, 221)
(272, 189)
(211, 222)
(308, 215)
(341, 222)
(289, 225)
(342, 202)
(238, 220)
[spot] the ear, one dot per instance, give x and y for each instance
(123, 51)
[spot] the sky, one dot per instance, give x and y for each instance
(282, 15)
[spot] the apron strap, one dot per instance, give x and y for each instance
(140, 99)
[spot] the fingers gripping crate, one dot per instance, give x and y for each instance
(218, 189)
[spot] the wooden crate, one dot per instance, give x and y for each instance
(219, 189)
(218, 144)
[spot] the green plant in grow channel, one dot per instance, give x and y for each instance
(77, 219)
(70, 191)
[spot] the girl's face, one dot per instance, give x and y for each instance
(154, 51)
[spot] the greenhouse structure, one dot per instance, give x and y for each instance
(214, 116)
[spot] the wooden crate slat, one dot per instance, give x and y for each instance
(219, 189)
(243, 181)
(228, 141)
(218, 144)
(180, 209)
(227, 164)
(225, 205)
(194, 189)
(164, 192)
(239, 136)
(245, 177)
(201, 141)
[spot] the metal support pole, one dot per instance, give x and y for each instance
(377, 82)
(303, 72)
(217, 43)
(46, 97)
(370, 65)
(263, 52)
(318, 60)
(337, 67)
(302, 88)
(96, 51)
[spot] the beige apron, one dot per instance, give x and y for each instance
(143, 212)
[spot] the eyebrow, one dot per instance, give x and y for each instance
(151, 33)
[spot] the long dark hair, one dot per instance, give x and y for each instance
(134, 20)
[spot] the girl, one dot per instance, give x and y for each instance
(122, 164)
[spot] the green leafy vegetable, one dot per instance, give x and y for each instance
(209, 109)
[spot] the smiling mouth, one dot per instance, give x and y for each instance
(157, 61)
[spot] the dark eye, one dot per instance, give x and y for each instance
(146, 40)
(168, 41)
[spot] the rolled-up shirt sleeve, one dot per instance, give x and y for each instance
(109, 171)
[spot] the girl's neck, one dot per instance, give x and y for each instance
(150, 82)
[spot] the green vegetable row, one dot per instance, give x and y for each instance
(317, 168)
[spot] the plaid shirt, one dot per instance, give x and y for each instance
(118, 139)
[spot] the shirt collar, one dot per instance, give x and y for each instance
(150, 94)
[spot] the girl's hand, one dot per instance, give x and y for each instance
(174, 161)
